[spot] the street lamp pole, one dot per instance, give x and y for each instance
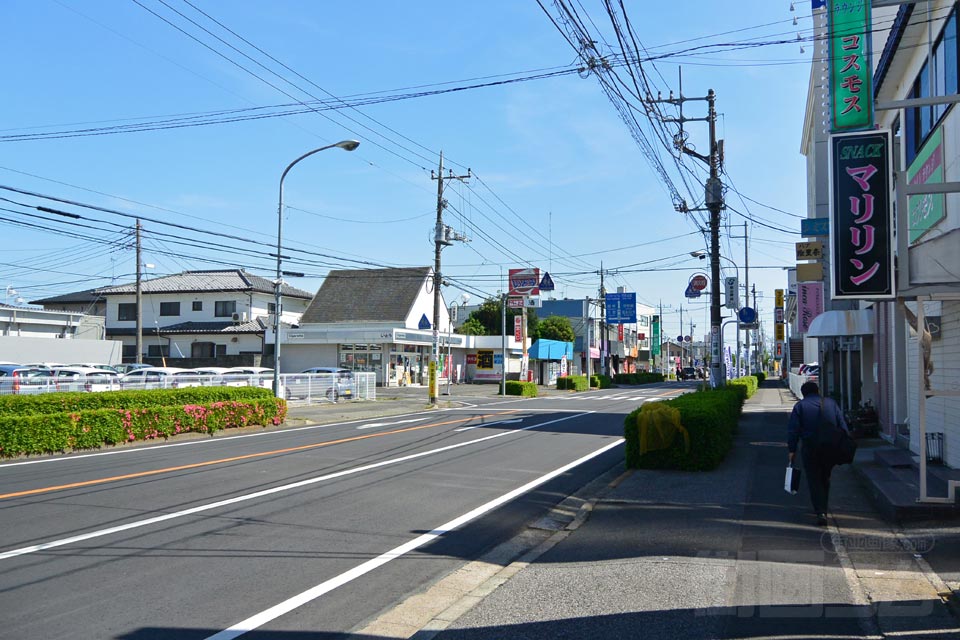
(346, 145)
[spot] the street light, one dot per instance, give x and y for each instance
(703, 255)
(346, 145)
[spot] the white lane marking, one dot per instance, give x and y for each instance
(373, 425)
(150, 448)
(43, 546)
(489, 424)
(258, 620)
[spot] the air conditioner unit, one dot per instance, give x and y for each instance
(236, 317)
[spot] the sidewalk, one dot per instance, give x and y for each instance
(719, 554)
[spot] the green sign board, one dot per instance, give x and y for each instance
(851, 71)
(927, 168)
(655, 336)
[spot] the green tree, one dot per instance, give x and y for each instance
(557, 328)
(488, 315)
(472, 327)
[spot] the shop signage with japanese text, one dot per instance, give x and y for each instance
(861, 233)
(524, 282)
(851, 71)
(927, 168)
(809, 250)
(809, 304)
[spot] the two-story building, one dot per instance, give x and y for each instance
(194, 318)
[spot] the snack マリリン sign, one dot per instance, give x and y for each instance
(524, 282)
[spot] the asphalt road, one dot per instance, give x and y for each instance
(309, 530)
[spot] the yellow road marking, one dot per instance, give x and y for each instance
(195, 465)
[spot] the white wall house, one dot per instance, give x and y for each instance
(202, 315)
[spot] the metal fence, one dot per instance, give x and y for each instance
(299, 388)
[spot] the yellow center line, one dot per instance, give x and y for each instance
(665, 393)
(195, 465)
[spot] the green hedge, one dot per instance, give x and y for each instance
(82, 401)
(600, 381)
(92, 428)
(761, 376)
(710, 418)
(637, 378)
(749, 382)
(575, 383)
(525, 389)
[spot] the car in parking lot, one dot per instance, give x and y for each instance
(20, 380)
(342, 382)
(151, 378)
(688, 373)
(85, 379)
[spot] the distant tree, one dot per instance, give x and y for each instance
(557, 328)
(489, 316)
(472, 327)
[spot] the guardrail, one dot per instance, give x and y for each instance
(299, 388)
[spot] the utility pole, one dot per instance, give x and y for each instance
(443, 236)
(503, 344)
(714, 201)
(746, 290)
(586, 338)
(139, 338)
(681, 338)
(603, 327)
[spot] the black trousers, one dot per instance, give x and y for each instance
(817, 469)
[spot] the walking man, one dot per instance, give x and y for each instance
(817, 458)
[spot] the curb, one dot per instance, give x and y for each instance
(424, 615)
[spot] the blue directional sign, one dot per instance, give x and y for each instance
(424, 323)
(621, 308)
(747, 315)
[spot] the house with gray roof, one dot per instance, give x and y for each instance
(220, 316)
(377, 320)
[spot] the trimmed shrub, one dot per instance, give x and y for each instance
(573, 383)
(749, 382)
(637, 378)
(81, 401)
(761, 376)
(603, 382)
(525, 389)
(92, 428)
(710, 420)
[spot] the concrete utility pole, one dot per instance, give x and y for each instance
(139, 338)
(604, 367)
(714, 202)
(442, 237)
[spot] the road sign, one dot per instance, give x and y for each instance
(546, 282)
(747, 315)
(690, 293)
(524, 282)
(621, 308)
(687, 339)
(424, 323)
(698, 282)
(679, 338)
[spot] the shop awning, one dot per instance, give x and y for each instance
(551, 350)
(842, 323)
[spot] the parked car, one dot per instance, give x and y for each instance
(94, 365)
(130, 366)
(151, 378)
(16, 379)
(85, 379)
(688, 373)
(343, 384)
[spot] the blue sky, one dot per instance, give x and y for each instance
(552, 159)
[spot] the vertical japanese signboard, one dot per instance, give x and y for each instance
(927, 168)
(809, 304)
(655, 336)
(861, 233)
(851, 71)
(779, 329)
(518, 328)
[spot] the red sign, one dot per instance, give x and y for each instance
(641, 336)
(620, 332)
(524, 282)
(518, 328)
(514, 303)
(471, 358)
(698, 282)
